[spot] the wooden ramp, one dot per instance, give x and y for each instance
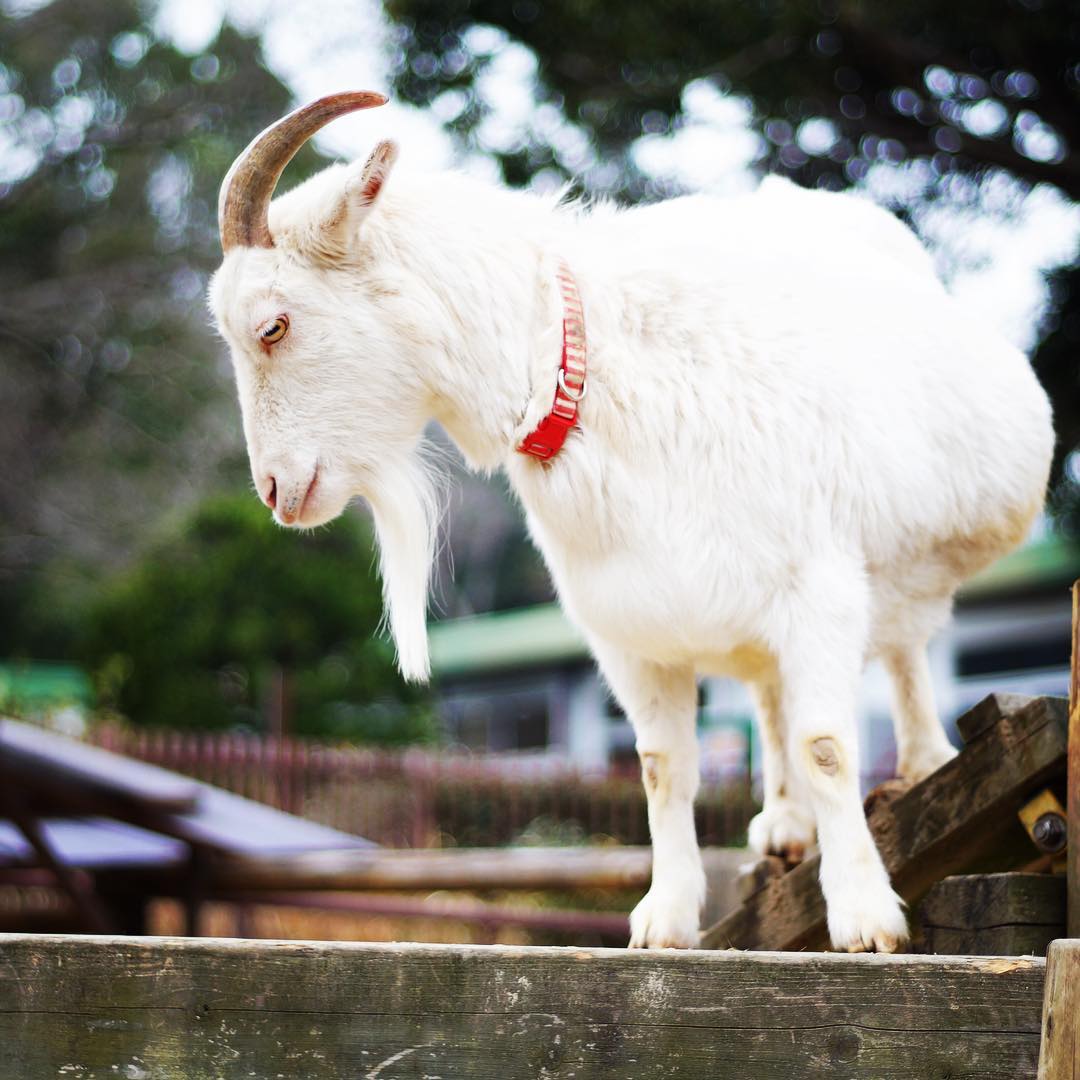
(961, 820)
(188, 1009)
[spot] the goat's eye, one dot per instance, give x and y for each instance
(274, 330)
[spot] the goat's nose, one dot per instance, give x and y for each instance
(268, 494)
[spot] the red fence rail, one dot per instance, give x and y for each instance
(420, 798)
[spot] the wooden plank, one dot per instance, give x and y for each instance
(452, 868)
(228, 823)
(976, 901)
(1059, 1056)
(176, 1009)
(550, 869)
(55, 766)
(987, 713)
(993, 914)
(592, 927)
(1072, 806)
(93, 843)
(1022, 939)
(960, 819)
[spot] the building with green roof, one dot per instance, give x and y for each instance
(524, 679)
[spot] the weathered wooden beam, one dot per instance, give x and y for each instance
(179, 1009)
(1059, 1057)
(993, 914)
(603, 927)
(460, 868)
(960, 819)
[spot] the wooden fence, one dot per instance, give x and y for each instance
(420, 798)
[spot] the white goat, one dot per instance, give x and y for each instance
(794, 448)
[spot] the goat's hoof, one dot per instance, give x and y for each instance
(866, 918)
(782, 828)
(666, 920)
(926, 762)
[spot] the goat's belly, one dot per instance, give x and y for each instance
(661, 616)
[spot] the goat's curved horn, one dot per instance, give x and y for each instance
(248, 186)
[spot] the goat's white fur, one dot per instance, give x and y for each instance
(794, 448)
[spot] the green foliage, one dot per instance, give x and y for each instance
(619, 70)
(116, 402)
(221, 614)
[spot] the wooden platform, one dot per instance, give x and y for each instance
(189, 1009)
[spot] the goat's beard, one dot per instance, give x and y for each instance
(405, 507)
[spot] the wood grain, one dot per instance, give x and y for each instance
(981, 900)
(993, 914)
(194, 1009)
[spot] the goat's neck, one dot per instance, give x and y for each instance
(495, 367)
(496, 331)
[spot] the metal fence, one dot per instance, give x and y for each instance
(421, 798)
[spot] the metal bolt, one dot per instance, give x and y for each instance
(1049, 833)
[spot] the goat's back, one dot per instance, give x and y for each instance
(766, 382)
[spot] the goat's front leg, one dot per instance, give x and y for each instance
(661, 703)
(820, 656)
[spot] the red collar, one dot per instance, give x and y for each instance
(547, 439)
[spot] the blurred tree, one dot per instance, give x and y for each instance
(116, 399)
(836, 85)
(230, 621)
(116, 405)
(978, 81)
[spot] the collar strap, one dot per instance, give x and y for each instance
(547, 439)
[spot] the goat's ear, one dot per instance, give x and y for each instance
(363, 189)
(338, 229)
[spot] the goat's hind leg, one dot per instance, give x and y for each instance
(922, 746)
(661, 703)
(785, 825)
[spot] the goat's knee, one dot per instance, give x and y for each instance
(827, 754)
(825, 762)
(668, 775)
(656, 776)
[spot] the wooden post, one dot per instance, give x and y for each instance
(1059, 1054)
(1072, 810)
